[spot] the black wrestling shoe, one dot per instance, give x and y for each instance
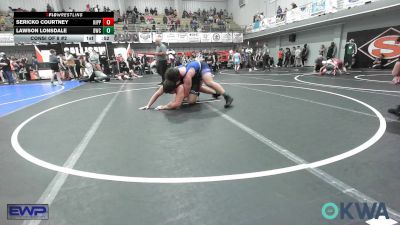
(229, 101)
(394, 111)
(216, 96)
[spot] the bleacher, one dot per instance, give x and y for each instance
(301, 13)
(184, 27)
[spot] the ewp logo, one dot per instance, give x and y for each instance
(27, 212)
(331, 211)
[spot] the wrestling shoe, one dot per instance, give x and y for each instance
(229, 101)
(394, 111)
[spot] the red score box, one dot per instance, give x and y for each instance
(108, 21)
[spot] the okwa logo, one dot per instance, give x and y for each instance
(385, 43)
(354, 210)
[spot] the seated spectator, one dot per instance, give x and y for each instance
(294, 5)
(284, 14)
(155, 11)
(165, 19)
(135, 10)
(261, 16)
(379, 62)
(166, 12)
(279, 12)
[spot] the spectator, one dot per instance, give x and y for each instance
(35, 63)
(280, 57)
(304, 54)
(294, 5)
(297, 55)
(284, 14)
(48, 8)
(14, 68)
(265, 58)
(104, 62)
(287, 57)
(165, 19)
(380, 62)
(332, 50)
(55, 67)
(350, 51)
(292, 57)
(279, 12)
(70, 64)
(322, 51)
(6, 68)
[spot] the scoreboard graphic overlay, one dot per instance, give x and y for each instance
(31, 27)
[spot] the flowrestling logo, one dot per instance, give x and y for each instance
(354, 210)
(27, 211)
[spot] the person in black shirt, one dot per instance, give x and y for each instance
(123, 66)
(131, 62)
(215, 61)
(104, 63)
(143, 63)
(6, 67)
(55, 66)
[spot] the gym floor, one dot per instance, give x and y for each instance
(292, 142)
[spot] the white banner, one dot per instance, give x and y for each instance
(145, 37)
(182, 37)
(299, 13)
(170, 37)
(271, 22)
(157, 35)
(237, 37)
(352, 3)
(194, 37)
(226, 37)
(206, 37)
(216, 37)
(331, 6)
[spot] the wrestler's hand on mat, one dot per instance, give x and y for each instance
(144, 108)
(160, 107)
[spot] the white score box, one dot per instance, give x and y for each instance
(89, 38)
(104, 38)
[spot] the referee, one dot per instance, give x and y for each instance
(161, 59)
